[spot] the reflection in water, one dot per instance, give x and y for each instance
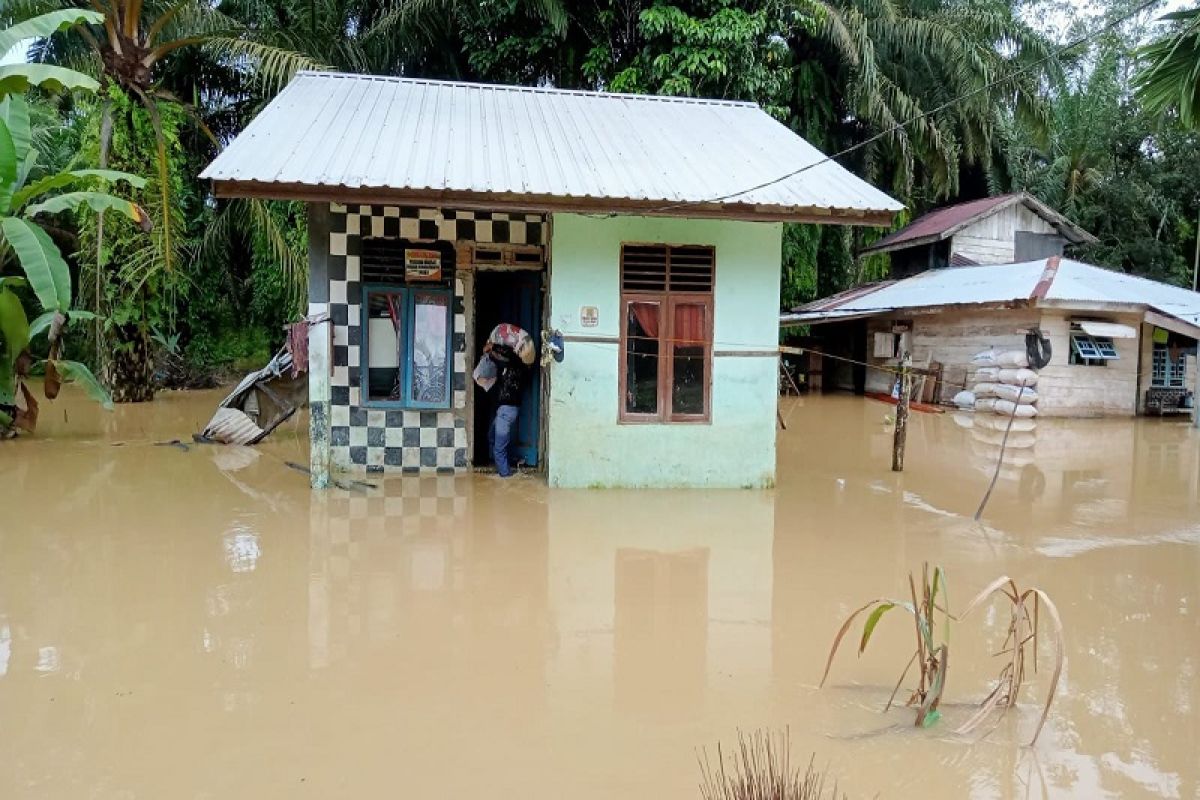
(201, 620)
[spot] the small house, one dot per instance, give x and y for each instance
(1119, 345)
(1007, 229)
(646, 231)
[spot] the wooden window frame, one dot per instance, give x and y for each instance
(408, 295)
(667, 301)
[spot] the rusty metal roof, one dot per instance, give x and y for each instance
(945, 222)
(338, 136)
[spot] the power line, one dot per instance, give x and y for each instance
(1113, 24)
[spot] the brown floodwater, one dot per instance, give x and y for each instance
(195, 623)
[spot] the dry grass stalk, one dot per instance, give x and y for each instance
(761, 769)
(1023, 632)
(931, 659)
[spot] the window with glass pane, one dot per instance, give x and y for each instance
(406, 347)
(430, 383)
(1091, 351)
(384, 331)
(1167, 372)
(689, 356)
(642, 357)
(666, 334)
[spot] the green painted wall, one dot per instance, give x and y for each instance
(587, 446)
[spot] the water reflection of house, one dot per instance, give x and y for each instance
(437, 210)
(981, 275)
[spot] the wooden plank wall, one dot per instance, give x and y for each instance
(1079, 391)
(1064, 390)
(952, 338)
(993, 240)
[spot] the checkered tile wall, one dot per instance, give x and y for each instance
(377, 439)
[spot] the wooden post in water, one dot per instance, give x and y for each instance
(901, 432)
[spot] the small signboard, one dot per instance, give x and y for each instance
(422, 265)
(589, 316)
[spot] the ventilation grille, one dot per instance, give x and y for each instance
(382, 259)
(659, 267)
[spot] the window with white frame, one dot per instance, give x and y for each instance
(407, 325)
(1168, 367)
(1091, 351)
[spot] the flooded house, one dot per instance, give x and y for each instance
(1114, 344)
(643, 232)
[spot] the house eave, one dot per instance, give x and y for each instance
(493, 201)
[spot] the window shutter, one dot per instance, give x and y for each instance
(659, 268)
(690, 269)
(644, 268)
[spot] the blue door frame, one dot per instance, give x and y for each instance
(516, 297)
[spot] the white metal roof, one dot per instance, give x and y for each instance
(332, 135)
(1051, 282)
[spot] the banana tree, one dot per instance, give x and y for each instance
(22, 200)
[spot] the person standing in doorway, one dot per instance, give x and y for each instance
(510, 381)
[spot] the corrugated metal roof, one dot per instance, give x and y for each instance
(347, 134)
(1069, 284)
(944, 222)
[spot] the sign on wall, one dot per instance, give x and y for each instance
(422, 265)
(589, 316)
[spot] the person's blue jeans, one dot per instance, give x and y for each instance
(500, 437)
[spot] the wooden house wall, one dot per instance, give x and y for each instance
(992, 240)
(952, 338)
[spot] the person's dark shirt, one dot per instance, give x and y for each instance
(510, 375)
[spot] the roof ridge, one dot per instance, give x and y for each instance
(662, 98)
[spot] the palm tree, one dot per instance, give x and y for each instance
(950, 68)
(1170, 76)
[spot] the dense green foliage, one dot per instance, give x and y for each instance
(935, 101)
(31, 192)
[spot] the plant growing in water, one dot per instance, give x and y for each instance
(23, 197)
(931, 658)
(1023, 632)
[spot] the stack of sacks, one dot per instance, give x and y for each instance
(1004, 384)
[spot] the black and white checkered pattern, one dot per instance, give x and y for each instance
(380, 440)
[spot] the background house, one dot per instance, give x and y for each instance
(995, 230)
(1120, 344)
(628, 223)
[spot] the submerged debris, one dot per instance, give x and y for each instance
(263, 401)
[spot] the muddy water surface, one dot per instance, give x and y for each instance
(195, 623)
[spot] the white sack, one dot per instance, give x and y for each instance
(984, 358)
(1005, 408)
(965, 399)
(1017, 376)
(1012, 358)
(987, 375)
(985, 404)
(985, 389)
(1025, 396)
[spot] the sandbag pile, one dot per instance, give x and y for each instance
(1004, 384)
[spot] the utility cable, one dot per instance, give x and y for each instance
(1111, 25)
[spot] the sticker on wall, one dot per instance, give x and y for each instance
(422, 265)
(589, 316)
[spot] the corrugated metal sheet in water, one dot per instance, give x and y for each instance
(360, 132)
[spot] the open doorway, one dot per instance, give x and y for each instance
(513, 296)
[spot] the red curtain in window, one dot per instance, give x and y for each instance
(690, 328)
(646, 315)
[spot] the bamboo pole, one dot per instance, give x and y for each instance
(901, 432)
